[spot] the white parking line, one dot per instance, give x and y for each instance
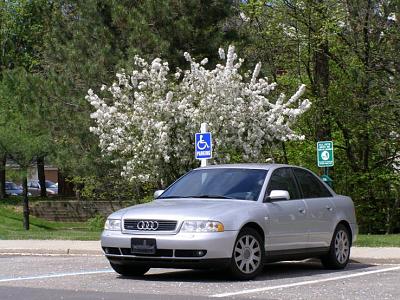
(55, 275)
(269, 288)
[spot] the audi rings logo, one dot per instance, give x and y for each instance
(147, 225)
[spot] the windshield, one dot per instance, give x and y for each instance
(227, 183)
(11, 186)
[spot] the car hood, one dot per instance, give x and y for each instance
(188, 209)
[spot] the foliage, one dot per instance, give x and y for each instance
(22, 133)
(150, 120)
(96, 223)
(347, 53)
(87, 42)
(111, 187)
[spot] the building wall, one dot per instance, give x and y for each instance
(51, 174)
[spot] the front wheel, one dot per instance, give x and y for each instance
(248, 254)
(129, 270)
(339, 251)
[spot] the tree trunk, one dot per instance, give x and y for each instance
(26, 201)
(285, 158)
(3, 176)
(321, 79)
(41, 176)
(65, 188)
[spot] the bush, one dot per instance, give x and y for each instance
(96, 223)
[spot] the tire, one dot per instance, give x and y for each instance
(339, 250)
(247, 255)
(129, 270)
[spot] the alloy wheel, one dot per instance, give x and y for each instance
(342, 246)
(247, 254)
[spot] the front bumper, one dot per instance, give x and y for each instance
(217, 245)
(216, 263)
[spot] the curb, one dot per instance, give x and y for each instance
(50, 252)
(375, 261)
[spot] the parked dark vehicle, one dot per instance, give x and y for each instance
(34, 187)
(12, 189)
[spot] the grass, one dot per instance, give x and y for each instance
(378, 240)
(11, 227)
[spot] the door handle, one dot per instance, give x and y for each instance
(329, 208)
(302, 210)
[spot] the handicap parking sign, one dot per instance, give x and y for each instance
(203, 146)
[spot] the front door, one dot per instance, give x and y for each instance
(318, 198)
(286, 219)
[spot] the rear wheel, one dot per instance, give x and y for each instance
(248, 254)
(129, 270)
(339, 251)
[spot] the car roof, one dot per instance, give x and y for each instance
(247, 166)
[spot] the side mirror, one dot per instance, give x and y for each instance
(158, 193)
(277, 195)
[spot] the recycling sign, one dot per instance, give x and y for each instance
(325, 154)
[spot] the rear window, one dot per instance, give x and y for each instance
(311, 186)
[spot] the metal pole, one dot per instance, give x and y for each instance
(203, 129)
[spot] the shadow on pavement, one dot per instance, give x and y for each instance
(271, 272)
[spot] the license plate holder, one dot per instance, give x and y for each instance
(143, 246)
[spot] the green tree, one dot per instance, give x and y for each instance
(22, 109)
(22, 134)
(89, 41)
(347, 53)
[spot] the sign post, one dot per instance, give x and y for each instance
(203, 145)
(325, 159)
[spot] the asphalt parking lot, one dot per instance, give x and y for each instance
(90, 277)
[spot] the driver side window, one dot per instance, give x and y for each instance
(282, 179)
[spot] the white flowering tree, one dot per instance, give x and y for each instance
(148, 118)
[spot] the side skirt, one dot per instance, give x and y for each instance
(295, 254)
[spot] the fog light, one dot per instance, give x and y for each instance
(190, 253)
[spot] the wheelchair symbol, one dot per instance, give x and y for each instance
(202, 144)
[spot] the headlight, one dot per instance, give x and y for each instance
(112, 224)
(202, 226)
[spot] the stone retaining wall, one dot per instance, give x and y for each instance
(74, 211)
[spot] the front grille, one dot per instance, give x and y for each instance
(163, 225)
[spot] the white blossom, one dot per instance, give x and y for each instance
(221, 53)
(392, 17)
(148, 121)
(204, 61)
(244, 17)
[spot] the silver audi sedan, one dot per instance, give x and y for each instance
(236, 217)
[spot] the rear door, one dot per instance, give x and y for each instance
(321, 210)
(287, 219)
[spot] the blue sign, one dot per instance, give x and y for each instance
(203, 146)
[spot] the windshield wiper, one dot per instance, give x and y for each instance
(212, 196)
(198, 196)
(173, 197)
